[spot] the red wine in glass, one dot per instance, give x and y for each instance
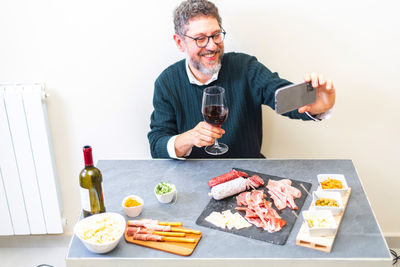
(215, 115)
(215, 112)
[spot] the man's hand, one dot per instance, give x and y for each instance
(325, 95)
(203, 134)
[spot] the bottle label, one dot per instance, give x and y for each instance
(85, 199)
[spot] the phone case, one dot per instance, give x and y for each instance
(292, 97)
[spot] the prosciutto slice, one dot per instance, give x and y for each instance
(259, 211)
(138, 230)
(141, 223)
(283, 193)
(149, 224)
(147, 237)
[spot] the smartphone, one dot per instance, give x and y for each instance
(293, 96)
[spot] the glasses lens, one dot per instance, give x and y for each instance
(202, 41)
(218, 37)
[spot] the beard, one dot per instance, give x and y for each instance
(196, 63)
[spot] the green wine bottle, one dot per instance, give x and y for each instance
(91, 186)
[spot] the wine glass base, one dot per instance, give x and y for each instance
(217, 150)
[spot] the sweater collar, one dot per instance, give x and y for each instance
(193, 79)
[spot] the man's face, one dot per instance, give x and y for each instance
(207, 60)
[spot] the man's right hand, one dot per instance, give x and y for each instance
(203, 134)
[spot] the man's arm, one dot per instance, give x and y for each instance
(267, 82)
(162, 122)
(164, 126)
(203, 134)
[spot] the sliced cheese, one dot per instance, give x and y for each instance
(227, 219)
(240, 221)
(217, 219)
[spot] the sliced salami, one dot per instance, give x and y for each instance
(233, 174)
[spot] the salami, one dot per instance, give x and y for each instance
(235, 186)
(233, 174)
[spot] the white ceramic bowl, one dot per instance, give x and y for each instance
(332, 195)
(133, 211)
(316, 230)
(105, 240)
(340, 177)
(167, 197)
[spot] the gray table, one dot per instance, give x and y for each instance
(359, 239)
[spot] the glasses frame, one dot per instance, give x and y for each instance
(223, 32)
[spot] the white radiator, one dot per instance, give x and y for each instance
(29, 196)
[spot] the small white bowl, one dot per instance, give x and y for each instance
(167, 197)
(112, 227)
(340, 177)
(320, 214)
(332, 195)
(133, 211)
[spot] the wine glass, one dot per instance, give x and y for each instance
(215, 112)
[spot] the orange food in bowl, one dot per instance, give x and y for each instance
(131, 202)
(331, 184)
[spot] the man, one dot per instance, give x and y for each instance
(177, 126)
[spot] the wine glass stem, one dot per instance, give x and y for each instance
(216, 144)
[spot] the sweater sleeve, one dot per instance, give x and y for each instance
(162, 122)
(265, 83)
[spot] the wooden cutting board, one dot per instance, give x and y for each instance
(179, 248)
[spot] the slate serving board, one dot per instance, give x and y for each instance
(278, 238)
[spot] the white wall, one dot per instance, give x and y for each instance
(99, 60)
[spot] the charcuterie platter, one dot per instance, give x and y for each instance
(230, 203)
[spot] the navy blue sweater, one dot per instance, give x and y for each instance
(248, 84)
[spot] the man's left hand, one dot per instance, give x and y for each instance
(325, 94)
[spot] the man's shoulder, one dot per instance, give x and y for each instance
(238, 57)
(238, 61)
(173, 69)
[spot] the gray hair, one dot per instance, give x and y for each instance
(192, 8)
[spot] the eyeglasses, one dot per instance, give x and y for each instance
(202, 41)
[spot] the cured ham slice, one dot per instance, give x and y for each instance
(243, 198)
(149, 224)
(141, 223)
(131, 230)
(283, 193)
(151, 237)
(259, 211)
(147, 237)
(138, 230)
(157, 227)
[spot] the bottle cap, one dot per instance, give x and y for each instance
(87, 155)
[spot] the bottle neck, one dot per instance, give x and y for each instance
(87, 155)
